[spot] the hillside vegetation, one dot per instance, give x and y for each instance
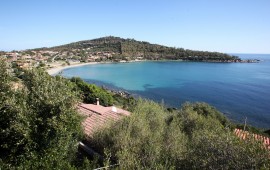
(195, 137)
(130, 49)
(39, 122)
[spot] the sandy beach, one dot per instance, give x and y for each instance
(57, 69)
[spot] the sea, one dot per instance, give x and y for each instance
(239, 90)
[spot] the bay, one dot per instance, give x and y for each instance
(239, 90)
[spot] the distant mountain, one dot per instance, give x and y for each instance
(129, 49)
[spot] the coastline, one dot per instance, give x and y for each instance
(55, 70)
(119, 91)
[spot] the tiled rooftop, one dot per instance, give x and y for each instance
(97, 116)
(244, 134)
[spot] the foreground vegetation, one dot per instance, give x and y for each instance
(40, 129)
(39, 123)
(195, 137)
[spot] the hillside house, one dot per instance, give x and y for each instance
(245, 134)
(98, 116)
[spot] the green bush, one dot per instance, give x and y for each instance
(221, 149)
(193, 137)
(206, 110)
(90, 92)
(39, 123)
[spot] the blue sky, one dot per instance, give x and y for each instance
(233, 26)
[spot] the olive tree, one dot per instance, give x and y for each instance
(39, 121)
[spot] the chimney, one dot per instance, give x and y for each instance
(114, 109)
(98, 101)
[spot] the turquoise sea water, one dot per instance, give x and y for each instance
(239, 90)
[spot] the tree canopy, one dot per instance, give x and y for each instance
(91, 92)
(193, 137)
(39, 122)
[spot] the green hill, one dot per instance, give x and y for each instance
(130, 49)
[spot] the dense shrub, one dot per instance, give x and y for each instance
(39, 123)
(91, 92)
(207, 111)
(222, 150)
(193, 137)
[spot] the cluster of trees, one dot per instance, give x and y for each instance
(40, 129)
(39, 123)
(196, 136)
(90, 92)
(130, 49)
(146, 50)
(97, 45)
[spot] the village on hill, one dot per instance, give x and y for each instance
(50, 59)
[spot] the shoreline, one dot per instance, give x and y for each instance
(56, 70)
(120, 91)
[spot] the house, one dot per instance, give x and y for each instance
(11, 56)
(25, 64)
(97, 116)
(26, 57)
(245, 134)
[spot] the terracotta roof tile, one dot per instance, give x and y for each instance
(97, 116)
(244, 134)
